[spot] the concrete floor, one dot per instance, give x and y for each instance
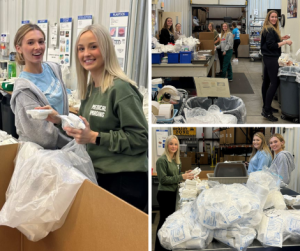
(253, 102)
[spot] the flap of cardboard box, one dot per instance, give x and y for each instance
(97, 220)
(244, 39)
(206, 36)
(207, 45)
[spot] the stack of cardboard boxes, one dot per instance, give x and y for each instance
(234, 136)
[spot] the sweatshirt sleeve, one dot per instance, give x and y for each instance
(280, 166)
(271, 40)
(132, 137)
(229, 41)
(164, 37)
(40, 132)
(164, 179)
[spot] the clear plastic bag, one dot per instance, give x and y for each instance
(43, 187)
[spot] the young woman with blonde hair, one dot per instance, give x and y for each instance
(168, 172)
(39, 84)
(283, 162)
(116, 130)
(167, 32)
(261, 154)
(271, 42)
(226, 47)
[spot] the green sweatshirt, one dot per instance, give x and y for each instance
(168, 174)
(118, 115)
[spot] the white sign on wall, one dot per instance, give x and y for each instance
(161, 136)
(118, 33)
(84, 21)
(256, 12)
(65, 38)
(53, 34)
(43, 24)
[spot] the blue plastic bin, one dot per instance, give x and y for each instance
(173, 58)
(156, 57)
(186, 57)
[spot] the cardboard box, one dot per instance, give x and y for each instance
(192, 155)
(203, 175)
(202, 158)
(206, 36)
(182, 154)
(229, 136)
(186, 163)
(239, 158)
(207, 45)
(222, 137)
(241, 136)
(97, 220)
(244, 39)
(221, 159)
(228, 158)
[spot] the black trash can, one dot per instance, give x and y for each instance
(7, 116)
(289, 93)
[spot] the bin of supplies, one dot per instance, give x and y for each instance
(290, 92)
(173, 58)
(232, 105)
(156, 57)
(186, 57)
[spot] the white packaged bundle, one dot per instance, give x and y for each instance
(277, 226)
(275, 199)
(183, 230)
(226, 205)
(262, 182)
(43, 187)
(237, 237)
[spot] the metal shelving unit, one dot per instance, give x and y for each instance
(255, 39)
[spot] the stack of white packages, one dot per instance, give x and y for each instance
(267, 186)
(6, 139)
(277, 226)
(189, 191)
(232, 211)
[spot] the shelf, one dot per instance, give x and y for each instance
(236, 146)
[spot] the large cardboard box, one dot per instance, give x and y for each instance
(192, 155)
(186, 163)
(229, 136)
(207, 41)
(206, 36)
(203, 174)
(97, 220)
(228, 157)
(239, 158)
(244, 39)
(241, 136)
(202, 158)
(221, 159)
(222, 137)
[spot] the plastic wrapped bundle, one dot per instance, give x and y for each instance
(277, 226)
(226, 205)
(231, 106)
(275, 199)
(182, 230)
(43, 187)
(179, 120)
(262, 182)
(237, 237)
(289, 71)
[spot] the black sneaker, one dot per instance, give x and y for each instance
(274, 110)
(269, 116)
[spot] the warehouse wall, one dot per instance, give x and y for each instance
(12, 12)
(291, 27)
(182, 6)
(292, 144)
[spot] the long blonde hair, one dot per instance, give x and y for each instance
(166, 152)
(223, 33)
(267, 24)
(171, 30)
(111, 66)
(263, 146)
(22, 31)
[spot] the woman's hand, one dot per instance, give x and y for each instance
(224, 53)
(246, 164)
(82, 136)
(52, 117)
(188, 176)
(285, 37)
(289, 42)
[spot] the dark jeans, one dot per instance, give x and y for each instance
(129, 186)
(167, 205)
(236, 46)
(227, 65)
(271, 81)
(220, 56)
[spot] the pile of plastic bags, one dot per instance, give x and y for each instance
(43, 187)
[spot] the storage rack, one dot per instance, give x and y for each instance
(255, 39)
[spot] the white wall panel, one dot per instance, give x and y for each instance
(12, 12)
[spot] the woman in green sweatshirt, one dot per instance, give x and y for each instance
(116, 130)
(168, 172)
